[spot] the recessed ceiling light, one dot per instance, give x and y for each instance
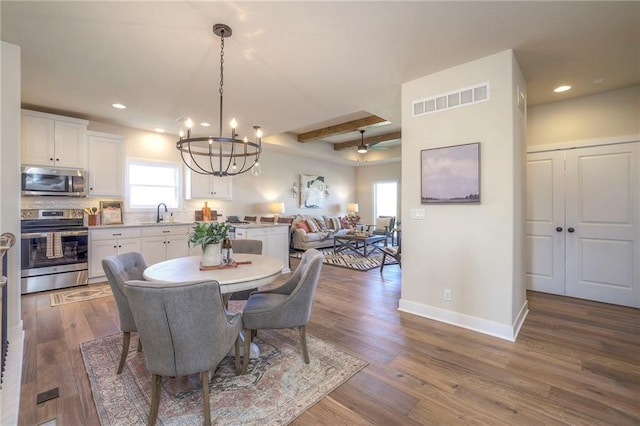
(119, 106)
(159, 130)
(561, 89)
(205, 124)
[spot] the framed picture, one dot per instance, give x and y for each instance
(451, 175)
(111, 212)
(311, 192)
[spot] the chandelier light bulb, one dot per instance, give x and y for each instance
(234, 123)
(181, 133)
(246, 139)
(259, 133)
(256, 170)
(189, 123)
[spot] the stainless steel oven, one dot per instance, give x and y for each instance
(55, 249)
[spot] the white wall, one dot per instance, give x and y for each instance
(10, 222)
(251, 195)
(605, 115)
(471, 249)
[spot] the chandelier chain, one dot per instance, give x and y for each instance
(221, 62)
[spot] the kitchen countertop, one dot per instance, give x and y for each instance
(141, 225)
(257, 225)
(148, 224)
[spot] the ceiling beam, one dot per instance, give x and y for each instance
(338, 129)
(370, 141)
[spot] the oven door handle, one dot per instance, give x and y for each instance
(62, 234)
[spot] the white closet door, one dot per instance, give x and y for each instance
(602, 241)
(545, 222)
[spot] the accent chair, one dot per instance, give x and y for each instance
(395, 252)
(384, 226)
(286, 306)
(186, 330)
(118, 269)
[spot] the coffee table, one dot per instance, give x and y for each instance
(358, 243)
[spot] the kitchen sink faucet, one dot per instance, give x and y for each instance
(158, 217)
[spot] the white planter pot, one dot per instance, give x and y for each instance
(211, 255)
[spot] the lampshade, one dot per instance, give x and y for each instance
(352, 207)
(277, 208)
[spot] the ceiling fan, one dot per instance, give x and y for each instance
(374, 146)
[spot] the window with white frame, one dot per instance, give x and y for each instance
(385, 196)
(149, 183)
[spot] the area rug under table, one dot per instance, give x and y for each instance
(350, 260)
(277, 388)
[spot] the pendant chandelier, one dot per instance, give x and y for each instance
(218, 155)
(362, 148)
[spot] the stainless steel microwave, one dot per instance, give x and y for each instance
(53, 181)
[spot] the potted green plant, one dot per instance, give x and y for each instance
(209, 235)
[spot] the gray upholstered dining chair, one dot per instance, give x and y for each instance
(186, 330)
(248, 247)
(118, 269)
(286, 306)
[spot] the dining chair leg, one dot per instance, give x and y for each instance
(247, 351)
(139, 344)
(303, 342)
(204, 377)
(126, 339)
(156, 381)
(237, 355)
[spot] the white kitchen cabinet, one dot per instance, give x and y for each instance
(105, 158)
(275, 240)
(161, 243)
(207, 187)
(109, 242)
(53, 140)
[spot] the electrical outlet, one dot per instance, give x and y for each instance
(447, 294)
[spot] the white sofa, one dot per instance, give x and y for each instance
(318, 231)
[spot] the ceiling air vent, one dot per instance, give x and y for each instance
(462, 97)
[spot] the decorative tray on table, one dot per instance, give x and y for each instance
(231, 265)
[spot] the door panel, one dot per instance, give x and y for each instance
(602, 207)
(545, 212)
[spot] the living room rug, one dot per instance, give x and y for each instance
(277, 388)
(79, 294)
(351, 260)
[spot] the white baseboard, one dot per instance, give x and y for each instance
(469, 322)
(10, 392)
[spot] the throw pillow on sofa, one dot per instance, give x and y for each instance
(303, 225)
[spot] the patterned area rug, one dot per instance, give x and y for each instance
(351, 260)
(79, 294)
(277, 388)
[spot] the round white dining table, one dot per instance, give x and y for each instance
(261, 271)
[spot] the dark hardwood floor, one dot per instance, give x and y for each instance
(575, 362)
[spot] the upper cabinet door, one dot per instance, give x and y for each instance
(37, 143)
(70, 144)
(207, 186)
(53, 140)
(105, 164)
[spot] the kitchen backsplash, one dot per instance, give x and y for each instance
(185, 215)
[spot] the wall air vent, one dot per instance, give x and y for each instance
(462, 97)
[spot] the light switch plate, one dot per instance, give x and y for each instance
(417, 214)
